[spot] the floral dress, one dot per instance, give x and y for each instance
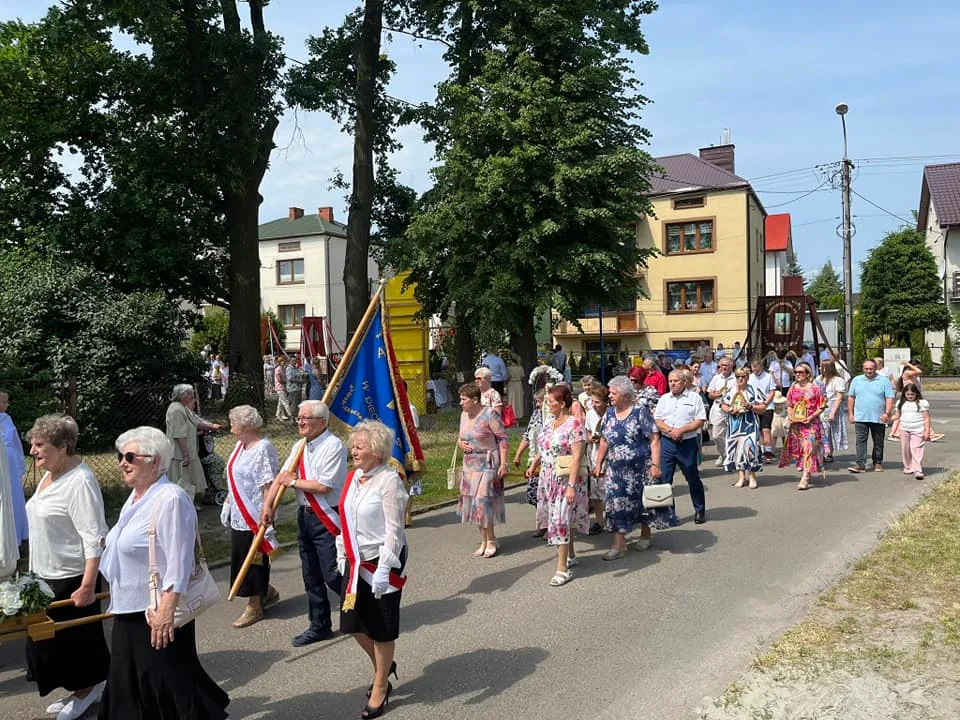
(481, 490)
(491, 399)
(804, 444)
(834, 433)
(648, 397)
(530, 435)
(743, 433)
(554, 513)
(628, 470)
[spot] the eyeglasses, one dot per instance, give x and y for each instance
(130, 457)
(800, 372)
(308, 419)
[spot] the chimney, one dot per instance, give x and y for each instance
(325, 213)
(295, 213)
(720, 156)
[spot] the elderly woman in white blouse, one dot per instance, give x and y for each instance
(155, 671)
(489, 397)
(251, 468)
(67, 529)
(372, 553)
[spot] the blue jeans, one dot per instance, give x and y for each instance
(683, 454)
(318, 562)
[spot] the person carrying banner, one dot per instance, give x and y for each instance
(318, 479)
(252, 466)
(372, 555)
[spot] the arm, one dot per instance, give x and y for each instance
(394, 508)
(176, 525)
(576, 454)
(850, 400)
(503, 444)
(601, 456)
(654, 455)
(86, 513)
(521, 448)
(926, 424)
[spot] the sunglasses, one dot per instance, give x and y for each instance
(801, 372)
(131, 457)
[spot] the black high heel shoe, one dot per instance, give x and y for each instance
(374, 712)
(393, 671)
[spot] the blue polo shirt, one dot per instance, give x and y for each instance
(870, 397)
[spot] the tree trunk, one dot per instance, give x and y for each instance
(246, 362)
(466, 348)
(355, 281)
(525, 345)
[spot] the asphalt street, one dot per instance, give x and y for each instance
(645, 636)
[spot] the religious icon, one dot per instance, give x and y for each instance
(739, 404)
(781, 323)
(799, 413)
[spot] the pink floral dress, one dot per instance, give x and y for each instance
(553, 511)
(804, 445)
(481, 489)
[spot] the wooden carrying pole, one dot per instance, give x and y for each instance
(342, 366)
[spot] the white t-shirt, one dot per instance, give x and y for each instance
(912, 414)
(764, 385)
(778, 370)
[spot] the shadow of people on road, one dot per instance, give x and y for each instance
(503, 579)
(433, 612)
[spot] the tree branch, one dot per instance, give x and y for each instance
(231, 17)
(431, 38)
(256, 18)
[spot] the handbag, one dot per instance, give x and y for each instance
(562, 465)
(657, 496)
(780, 427)
(453, 477)
(509, 416)
(202, 591)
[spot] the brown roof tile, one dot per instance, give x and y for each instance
(944, 184)
(688, 172)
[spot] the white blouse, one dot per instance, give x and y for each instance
(254, 469)
(126, 562)
(67, 525)
(375, 511)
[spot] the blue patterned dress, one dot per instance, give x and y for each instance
(530, 435)
(628, 470)
(743, 433)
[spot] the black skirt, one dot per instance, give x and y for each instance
(167, 684)
(73, 659)
(257, 580)
(379, 619)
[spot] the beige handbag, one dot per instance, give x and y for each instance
(453, 472)
(562, 465)
(657, 496)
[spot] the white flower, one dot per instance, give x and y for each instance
(10, 601)
(44, 588)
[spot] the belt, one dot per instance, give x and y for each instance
(308, 509)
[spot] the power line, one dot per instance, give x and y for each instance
(811, 192)
(891, 214)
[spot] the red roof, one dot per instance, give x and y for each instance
(777, 232)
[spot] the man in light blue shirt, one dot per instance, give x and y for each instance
(680, 416)
(498, 370)
(869, 406)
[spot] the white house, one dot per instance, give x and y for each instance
(778, 252)
(939, 221)
(301, 271)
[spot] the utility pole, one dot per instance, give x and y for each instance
(847, 235)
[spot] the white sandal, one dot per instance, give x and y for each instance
(561, 578)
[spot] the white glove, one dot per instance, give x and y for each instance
(381, 581)
(341, 556)
(225, 514)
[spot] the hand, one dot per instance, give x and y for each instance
(83, 596)
(655, 471)
(850, 418)
(225, 513)
(216, 426)
(341, 555)
(926, 437)
(676, 435)
(516, 462)
(161, 624)
(286, 478)
(570, 494)
(884, 418)
(502, 471)
(381, 581)
(466, 447)
(267, 517)
(186, 461)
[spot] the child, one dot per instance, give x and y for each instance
(913, 413)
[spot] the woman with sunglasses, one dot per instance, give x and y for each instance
(804, 444)
(67, 528)
(155, 672)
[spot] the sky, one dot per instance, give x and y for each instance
(770, 72)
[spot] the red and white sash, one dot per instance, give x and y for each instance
(351, 547)
(318, 503)
(243, 504)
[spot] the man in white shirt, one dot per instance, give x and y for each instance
(498, 370)
(807, 357)
(680, 415)
(782, 372)
(762, 382)
(318, 479)
(708, 368)
(719, 384)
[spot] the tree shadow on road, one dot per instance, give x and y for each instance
(432, 612)
(483, 673)
(730, 512)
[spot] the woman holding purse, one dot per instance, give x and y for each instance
(155, 671)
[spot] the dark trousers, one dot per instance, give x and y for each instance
(877, 432)
(318, 562)
(683, 454)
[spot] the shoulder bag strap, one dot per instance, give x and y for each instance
(456, 446)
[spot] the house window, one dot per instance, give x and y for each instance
(687, 203)
(689, 237)
(291, 316)
(691, 296)
(591, 311)
(292, 246)
(289, 272)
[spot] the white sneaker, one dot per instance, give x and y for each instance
(643, 543)
(719, 461)
(54, 708)
(76, 707)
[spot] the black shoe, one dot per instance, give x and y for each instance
(393, 671)
(700, 517)
(595, 529)
(310, 636)
(375, 712)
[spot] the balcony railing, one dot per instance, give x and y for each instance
(955, 290)
(614, 323)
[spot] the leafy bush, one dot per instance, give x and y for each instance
(947, 365)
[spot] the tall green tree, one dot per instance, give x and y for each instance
(900, 289)
(947, 364)
(171, 141)
(795, 268)
(826, 288)
(859, 342)
(542, 175)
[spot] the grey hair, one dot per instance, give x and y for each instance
(623, 385)
(381, 437)
(246, 416)
(61, 431)
(316, 408)
(484, 372)
(587, 380)
(148, 441)
(181, 389)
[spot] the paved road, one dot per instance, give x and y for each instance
(649, 635)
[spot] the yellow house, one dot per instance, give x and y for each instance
(708, 232)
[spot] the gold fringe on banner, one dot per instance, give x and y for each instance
(349, 602)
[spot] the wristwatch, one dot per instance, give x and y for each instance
(293, 484)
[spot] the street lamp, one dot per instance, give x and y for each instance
(847, 235)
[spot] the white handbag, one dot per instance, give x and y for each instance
(202, 591)
(657, 496)
(453, 476)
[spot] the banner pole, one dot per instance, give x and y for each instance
(328, 393)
